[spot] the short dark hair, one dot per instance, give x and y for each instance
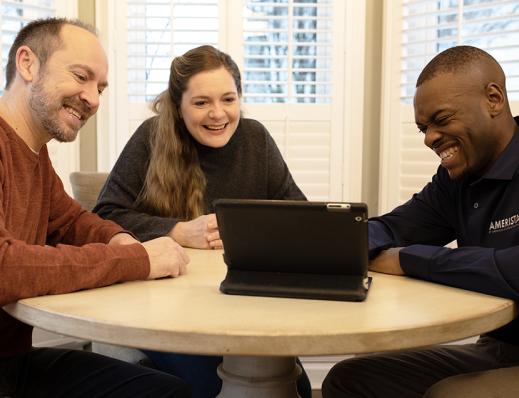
(454, 59)
(42, 36)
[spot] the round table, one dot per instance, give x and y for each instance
(260, 337)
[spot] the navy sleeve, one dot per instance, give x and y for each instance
(417, 221)
(429, 217)
(118, 198)
(380, 238)
(484, 270)
(424, 225)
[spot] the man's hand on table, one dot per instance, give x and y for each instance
(387, 262)
(167, 257)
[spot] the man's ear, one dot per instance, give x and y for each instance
(496, 98)
(27, 63)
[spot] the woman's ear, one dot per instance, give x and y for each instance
(27, 63)
(496, 98)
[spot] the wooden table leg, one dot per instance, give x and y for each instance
(259, 377)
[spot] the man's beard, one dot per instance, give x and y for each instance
(47, 113)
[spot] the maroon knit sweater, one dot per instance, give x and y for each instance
(48, 243)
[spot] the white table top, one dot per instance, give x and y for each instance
(189, 314)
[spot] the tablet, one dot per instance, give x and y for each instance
(294, 248)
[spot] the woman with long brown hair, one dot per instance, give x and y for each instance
(196, 149)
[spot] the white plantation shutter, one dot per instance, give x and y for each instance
(304, 137)
(288, 61)
(287, 51)
(429, 27)
(159, 30)
(145, 36)
(416, 31)
(287, 46)
(287, 74)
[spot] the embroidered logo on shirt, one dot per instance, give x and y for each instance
(504, 224)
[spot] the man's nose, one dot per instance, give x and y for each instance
(90, 95)
(432, 136)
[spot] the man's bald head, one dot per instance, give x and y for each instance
(466, 60)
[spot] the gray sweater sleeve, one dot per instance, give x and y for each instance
(117, 200)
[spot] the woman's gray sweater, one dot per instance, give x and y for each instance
(250, 166)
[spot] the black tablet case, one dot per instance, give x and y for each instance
(316, 250)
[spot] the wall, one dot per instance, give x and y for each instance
(88, 137)
(372, 104)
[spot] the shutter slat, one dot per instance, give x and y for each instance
(277, 26)
(482, 24)
(183, 25)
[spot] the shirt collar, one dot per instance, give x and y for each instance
(507, 163)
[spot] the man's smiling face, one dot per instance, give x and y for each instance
(67, 89)
(451, 109)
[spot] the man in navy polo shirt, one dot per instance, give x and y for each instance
(462, 109)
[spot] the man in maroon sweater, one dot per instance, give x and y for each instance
(55, 75)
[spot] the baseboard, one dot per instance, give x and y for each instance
(318, 367)
(42, 338)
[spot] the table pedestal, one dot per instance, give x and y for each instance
(259, 377)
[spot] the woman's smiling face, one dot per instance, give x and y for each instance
(210, 107)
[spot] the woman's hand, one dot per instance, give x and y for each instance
(200, 233)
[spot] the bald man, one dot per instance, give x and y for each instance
(461, 107)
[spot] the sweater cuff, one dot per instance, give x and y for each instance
(121, 231)
(110, 231)
(132, 261)
(415, 260)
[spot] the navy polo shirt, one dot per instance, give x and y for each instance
(481, 214)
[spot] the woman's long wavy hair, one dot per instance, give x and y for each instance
(175, 184)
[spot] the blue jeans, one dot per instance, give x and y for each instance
(199, 372)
